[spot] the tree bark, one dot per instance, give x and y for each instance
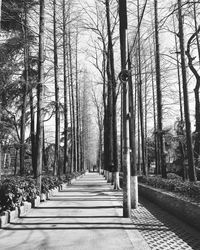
(134, 179)
(197, 100)
(126, 152)
(159, 96)
(24, 91)
(33, 135)
(192, 175)
(40, 111)
(57, 165)
(77, 108)
(65, 167)
(73, 119)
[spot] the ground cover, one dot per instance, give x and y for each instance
(189, 191)
(14, 190)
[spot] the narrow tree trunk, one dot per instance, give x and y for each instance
(140, 96)
(196, 28)
(65, 167)
(197, 101)
(40, 112)
(45, 166)
(0, 139)
(159, 95)
(77, 107)
(114, 146)
(57, 167)
(134, 179)
(73, 106)
(178, 73)
(180, 103)
(154, 116)
(126, 152)
(0, 107)
(192, 175)
(70, 110)
(145, 119)
(24, 91)
(16, 158)
(33, 135)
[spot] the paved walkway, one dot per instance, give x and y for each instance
(86, 215)
(163, 231)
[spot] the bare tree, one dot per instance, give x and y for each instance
(40, 111)
(192, 175)
(57, 165)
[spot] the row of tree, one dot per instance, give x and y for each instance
(163, 58)
(40, 80)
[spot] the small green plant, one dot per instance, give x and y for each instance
(174, 183)
(14, 190)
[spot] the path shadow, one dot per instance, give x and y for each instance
(173, 224)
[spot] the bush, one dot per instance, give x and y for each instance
(15, 190)
(174, 184)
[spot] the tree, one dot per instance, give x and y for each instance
(125, 131)
(196, 93)
(99, 108)
(40, 111)
(159, 97)
(57, 165)
(65, 90)
(192, 175)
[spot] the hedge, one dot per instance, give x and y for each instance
(174, 183)
(15, 190)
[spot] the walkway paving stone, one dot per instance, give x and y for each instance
(163, 231)
(85, 215)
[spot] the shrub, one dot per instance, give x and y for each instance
(174, 184)
(15, 190)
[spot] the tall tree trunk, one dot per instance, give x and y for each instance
(197, 101)
(77, 107)
(112, 81)
(134, 179)
(145, 120)
(126, 153)
(73, 106)
(57, 166)
(100, 149)
(0, 140)
(178, 72)
(196, 28)
(16, 158)
(44, 155)
(65, 167)
(181, 145)
(192, 175)
(33, 135)
(40, 111)
(159, 95)
(154, 115)
(70, 109)
(138, 127)
(140, 95)
(24, 91)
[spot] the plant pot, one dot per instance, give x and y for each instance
(43, 197)
(12, 215)
(27, 207)
(4, 219)
(21, 210)
(55, 191)
(36, 202)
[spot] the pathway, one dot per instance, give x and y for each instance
(85, 215)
